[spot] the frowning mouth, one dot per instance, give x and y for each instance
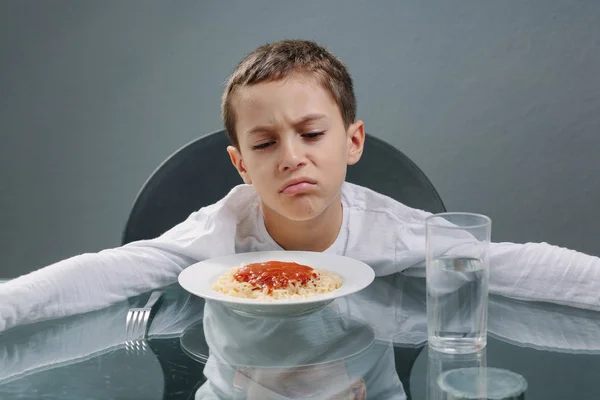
(296, 186)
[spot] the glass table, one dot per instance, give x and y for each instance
(368, 345)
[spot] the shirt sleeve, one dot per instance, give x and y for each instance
(90, 282)
(542, 272)
(531, 271)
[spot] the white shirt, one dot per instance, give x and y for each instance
(385, 234)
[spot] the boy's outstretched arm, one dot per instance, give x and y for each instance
(86, 282)
(531, 271)
(542, 272)
(90, 282)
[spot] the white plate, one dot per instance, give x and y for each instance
(198, 279)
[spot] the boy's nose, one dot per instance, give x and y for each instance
(291, 158)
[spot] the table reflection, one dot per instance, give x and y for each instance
(360, 346)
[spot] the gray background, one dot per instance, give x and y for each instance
(498, 102)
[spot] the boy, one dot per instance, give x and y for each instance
(289, 108)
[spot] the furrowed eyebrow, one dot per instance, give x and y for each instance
(301, 121)
(310, 118)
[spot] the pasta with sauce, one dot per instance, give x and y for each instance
(276, 280)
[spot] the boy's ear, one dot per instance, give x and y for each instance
(238, 163)
(356, 142)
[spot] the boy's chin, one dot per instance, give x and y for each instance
(302, 212)
(301, 215)
(300, 209)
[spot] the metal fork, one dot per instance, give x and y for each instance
(136, 325)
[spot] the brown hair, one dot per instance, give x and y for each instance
(276, 61)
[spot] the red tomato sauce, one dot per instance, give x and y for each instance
(275, 274)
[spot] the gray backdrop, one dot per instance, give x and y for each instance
(498, 102)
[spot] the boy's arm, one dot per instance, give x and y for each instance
(92, 281)
(541, 272)
(532, 271)
(86, 282)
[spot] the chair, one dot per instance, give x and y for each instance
(200, 173)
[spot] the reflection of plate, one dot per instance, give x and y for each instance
(348, 338)
(193, 342)
(198, 279)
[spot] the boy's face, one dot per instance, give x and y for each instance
(293, 146)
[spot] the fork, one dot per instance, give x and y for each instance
(136, 325)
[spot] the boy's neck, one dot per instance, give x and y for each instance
(317, 234)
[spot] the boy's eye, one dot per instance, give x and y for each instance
(313, 135)
(262, 146)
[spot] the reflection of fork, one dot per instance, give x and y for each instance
(137, 347)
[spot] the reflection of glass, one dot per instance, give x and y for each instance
(439, 363)
(457, 281)
(482, 384)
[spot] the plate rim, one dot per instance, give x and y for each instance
(279, 303)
